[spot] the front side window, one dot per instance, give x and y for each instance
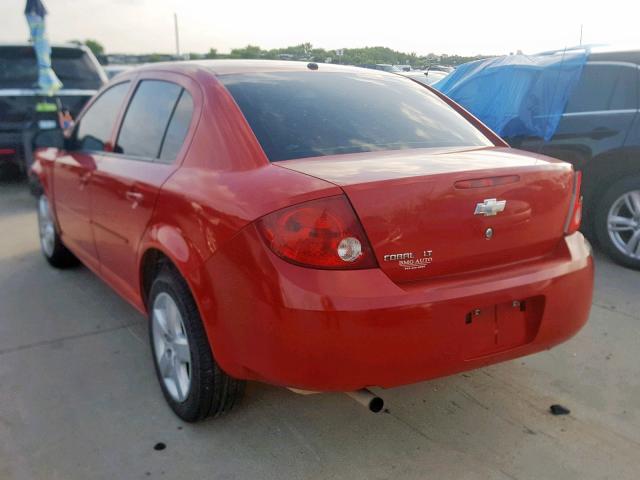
(310, 114)
(147, 118)
(604, 87)
(94, 129)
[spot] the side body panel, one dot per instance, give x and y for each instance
(224, 182)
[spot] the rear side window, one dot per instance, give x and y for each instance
(18, 68)
(147, 118)
(177, 129)
(309, 114)
(75, 69)
(605, 87)
(94, 129)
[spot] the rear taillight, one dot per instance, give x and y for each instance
(322, 233)
(575, 212)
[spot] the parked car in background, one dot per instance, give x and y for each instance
(385, 67)
(113, 70)
(441, 68)
(75, 66)
(426, 77)
(599, 133)
(320, 227)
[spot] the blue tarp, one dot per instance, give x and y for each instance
(517, 94)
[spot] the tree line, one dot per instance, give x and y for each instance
(307, 52)
(350, 56)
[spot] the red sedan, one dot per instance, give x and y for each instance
(319, 227)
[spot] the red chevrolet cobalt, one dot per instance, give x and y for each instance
(319, 227)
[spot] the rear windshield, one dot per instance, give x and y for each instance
(74, 68)
(309, 114)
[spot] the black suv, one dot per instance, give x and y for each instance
(75, 66)
(599, 133)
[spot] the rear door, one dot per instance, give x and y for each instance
(74, 170)
(126, 182)
(599, 113)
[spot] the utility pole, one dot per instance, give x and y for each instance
(175, 22)
(581, 34)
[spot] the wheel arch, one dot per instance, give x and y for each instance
(165, 244)
(607, 168)
(40, 179)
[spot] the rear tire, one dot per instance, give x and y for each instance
(193, 384)
(617, 222)
(51, 245)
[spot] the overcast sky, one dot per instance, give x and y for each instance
(462, 27)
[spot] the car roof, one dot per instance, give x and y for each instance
(232, 66)
(593, 49)
(53, 45)
(604, 53)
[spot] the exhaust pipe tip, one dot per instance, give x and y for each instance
(376, 404)
(368, 399)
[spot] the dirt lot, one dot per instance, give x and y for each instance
(79, 400)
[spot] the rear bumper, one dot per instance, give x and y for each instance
(321, 330)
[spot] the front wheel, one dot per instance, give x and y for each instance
(50, 243)
(193, 384)
(617, 222)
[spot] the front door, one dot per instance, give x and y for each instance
(74, 170)
(127, 181)
(72, 173)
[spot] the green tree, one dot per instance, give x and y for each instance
(95, 46)
(250, 51)
(155, 57)
(212, 53)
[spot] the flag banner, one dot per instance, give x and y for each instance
(48, 81)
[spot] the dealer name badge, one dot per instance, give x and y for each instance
(409, 260)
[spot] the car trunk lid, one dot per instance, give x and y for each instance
(435, 212)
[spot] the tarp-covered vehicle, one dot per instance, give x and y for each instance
(578, 105)
(75, 66)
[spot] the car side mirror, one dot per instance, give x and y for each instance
(50, 138)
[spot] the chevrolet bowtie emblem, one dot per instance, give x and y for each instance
(490, 207)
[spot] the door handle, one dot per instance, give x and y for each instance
(602, 132)
(134, 196)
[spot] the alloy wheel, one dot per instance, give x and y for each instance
(623, 223)
(171, 347)
(46, 227)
